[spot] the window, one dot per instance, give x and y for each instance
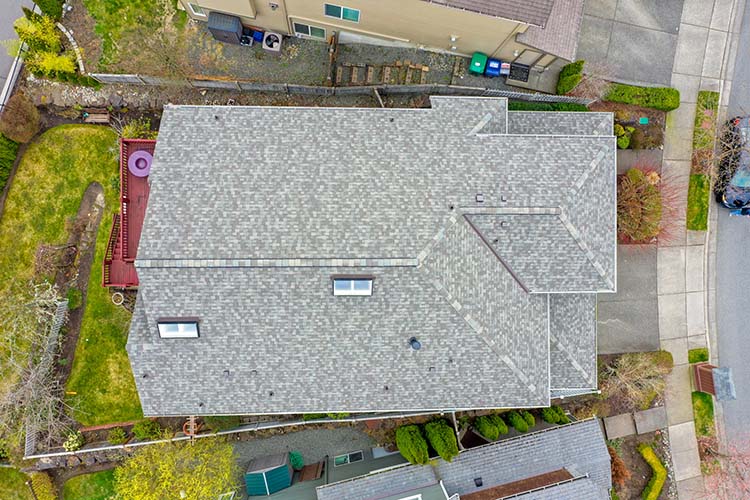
(307, 30)
(352, 285)
(197, 10)
(344, 13)
(349, 458)
(178, 328)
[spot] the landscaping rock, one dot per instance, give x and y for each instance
(650, 420)
(619, 426)
(73, 461)
(115, 100)
(89, 459)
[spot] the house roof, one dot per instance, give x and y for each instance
(579, 448)
(535, 12)
(559, 36)
(253, 210)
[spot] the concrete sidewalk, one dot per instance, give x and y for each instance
(706, 48)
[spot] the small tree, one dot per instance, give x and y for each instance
(490, 426)
(296, 460)
(20, 119)
(639, 205)
(517, 421)
(529, 418)
(50, 64)
(411, 444)
(620, 471)
(38, 33)
(201, 469)
(442, 438)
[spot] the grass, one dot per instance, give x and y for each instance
(698, 355)
(96, 486)
(48, 187)
(705, 119)
(703, 413)
(699, 193)
(12, 485)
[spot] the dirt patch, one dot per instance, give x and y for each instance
(82, 235)
(80, 23)
(640, 471)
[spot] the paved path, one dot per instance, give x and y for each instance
(704, 60)
(10, 10)
(729, 259)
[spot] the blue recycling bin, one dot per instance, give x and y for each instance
(493, 68)
(257, 36)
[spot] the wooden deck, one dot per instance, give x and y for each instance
(119, 269)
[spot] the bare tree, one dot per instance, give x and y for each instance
(726, 468)
(30, 393)
(595, 82)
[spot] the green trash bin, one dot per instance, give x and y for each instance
(478, 62)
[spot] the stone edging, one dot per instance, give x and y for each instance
(72, 41)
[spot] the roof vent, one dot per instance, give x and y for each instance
(270, 393)
(415, 344)
(479, 197)
(391, 120)
(385, 388)
(450, 207)
(504, 223)
(496, 241)
(431, 369)
(450, 360)
(478, 482)
(200, 405)
(226, 373)
(503, 198)
(216, 117)
(145, 375)
(253, 372)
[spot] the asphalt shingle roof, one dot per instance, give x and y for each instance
(533, 12)
(252, 210)
(578, 447)
(559, 36)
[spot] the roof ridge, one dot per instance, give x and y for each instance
(576, 235)
(296, 262)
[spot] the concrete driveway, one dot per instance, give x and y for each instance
(622, 35)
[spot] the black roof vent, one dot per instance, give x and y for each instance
(200, 405)
(145, 375)
(415, 344)
(480, 198)
(270, 393)
(226, 373)
(478, 481)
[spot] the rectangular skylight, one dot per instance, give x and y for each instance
(352, 285)
(178, 328)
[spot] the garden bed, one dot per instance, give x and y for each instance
(701, 166)
(627, 449)
(646, 135)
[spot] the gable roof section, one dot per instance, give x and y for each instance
(572, 340)
(559, 36)
(533, 12)
(578, 447)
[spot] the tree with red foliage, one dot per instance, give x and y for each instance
(620, 471)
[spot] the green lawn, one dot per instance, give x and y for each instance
(703, 412)
(12, 485)
(51, 179)
(698, 355)
(96, 486)
(699, 193)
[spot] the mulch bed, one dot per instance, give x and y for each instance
(640, 471)
(650, 136)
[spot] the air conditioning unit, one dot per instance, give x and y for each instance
(225, 28)
(272, 41)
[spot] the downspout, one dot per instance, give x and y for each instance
(512, 34)
(286, 18)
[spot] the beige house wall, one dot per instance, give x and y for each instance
(409, 21)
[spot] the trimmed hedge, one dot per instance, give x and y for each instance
(570, 76)
(490, 426)
(8, 152)
(442, 438)
(517, 421)
(545, 106)
(661, 98)
(411, 444)
(658, 476)
(555, 415)
(529, 418)
(698, 355)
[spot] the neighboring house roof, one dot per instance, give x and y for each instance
(559, 36)
(533, 12)
(252, 210)
(579, 448)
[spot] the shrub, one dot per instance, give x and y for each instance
(442, 438)
(562, 418)
(517, 421)
(555, 415)
(43, 487)
(545, 106)
(117, 436)
(75, 298)
(490, 426)
(296, 460)
(639, 206)
(699, 194)
(661, 98)
(40, 35)
(529, 418)
(20, 119)
(635, 378)
(698, 355)
(74, 441)
(620, 471)
(570, 76)
(8, 152)
(658, 476)
(313, 416)
(51, 8)
(50, 64)
(147, 430)
(218, 424)
(411, 444)
(139, 128)
(337, 416)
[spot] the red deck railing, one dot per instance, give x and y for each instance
(110, 252)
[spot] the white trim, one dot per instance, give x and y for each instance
(184, 329)
(191, 6)
(309, 28)
(418, 496)
(348, 458)
(352, 289)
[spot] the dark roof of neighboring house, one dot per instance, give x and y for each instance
(535, 12)
(579, 448)
(253, 209)
(559, 36)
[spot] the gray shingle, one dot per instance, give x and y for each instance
(572, 340)
(533, 12)
(245, 229)
(559, 36)
(560, 123)
(579, 448)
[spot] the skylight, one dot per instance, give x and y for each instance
(178, 328)
(352, 285)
